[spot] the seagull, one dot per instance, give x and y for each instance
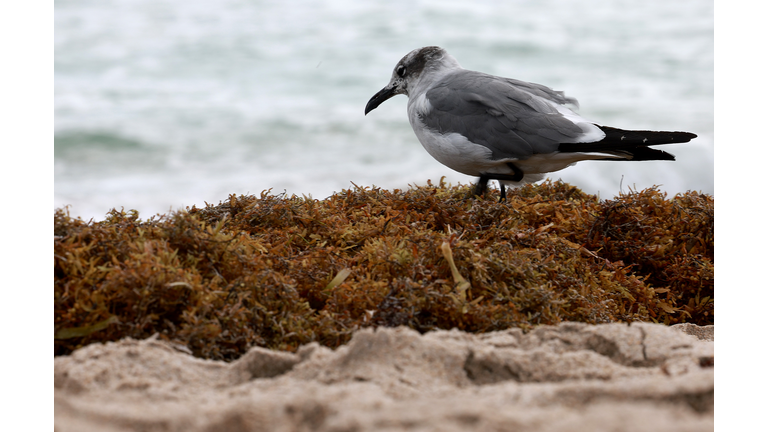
(505, 129)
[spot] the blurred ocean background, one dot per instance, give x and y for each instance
(163, 104)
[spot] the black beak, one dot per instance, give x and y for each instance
(379, 98)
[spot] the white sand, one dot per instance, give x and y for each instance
(570, 377)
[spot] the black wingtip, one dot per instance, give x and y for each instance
(631, 142)
(643, 137)
(649, 154)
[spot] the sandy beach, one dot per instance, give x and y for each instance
(573, 376)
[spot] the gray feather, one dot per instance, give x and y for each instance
(505, 115)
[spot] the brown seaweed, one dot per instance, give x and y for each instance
(280, 271)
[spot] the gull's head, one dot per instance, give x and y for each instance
(418, 69)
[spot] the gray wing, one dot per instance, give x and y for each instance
(505, 115)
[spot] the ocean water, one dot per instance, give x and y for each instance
(164, 104)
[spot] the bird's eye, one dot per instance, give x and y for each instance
(400, 71)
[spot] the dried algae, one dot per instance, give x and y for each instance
(278, 271)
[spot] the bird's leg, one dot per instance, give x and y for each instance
(482, 184)
(518, 172)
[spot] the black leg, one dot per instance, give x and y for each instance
(518, 172)
(482, 183)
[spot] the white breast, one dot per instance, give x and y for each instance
(452, 150)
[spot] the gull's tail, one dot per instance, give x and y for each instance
(630, 145)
